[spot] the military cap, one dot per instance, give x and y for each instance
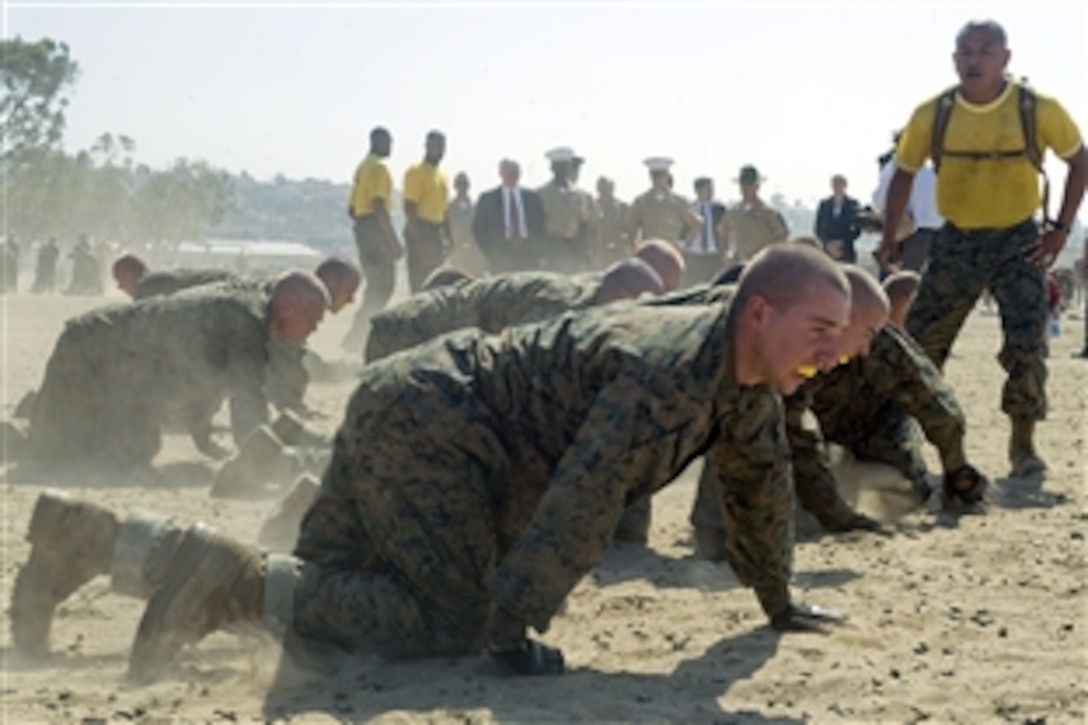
(658, 163)
(560, 154)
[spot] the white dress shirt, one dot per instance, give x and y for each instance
(922, 204)
(523, 232)
(706, 241)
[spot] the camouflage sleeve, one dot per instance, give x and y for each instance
(898, 369)
(814, 483)
(755, 487)
(616, 450)
(247, 365)
(286, 379)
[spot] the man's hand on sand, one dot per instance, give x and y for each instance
(806, 618)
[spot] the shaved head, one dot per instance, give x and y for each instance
(665, 259)
(868, 313)
(128, 270)
(297, 304)
(341, 278)
(865, 291)
(627, 280)
(989, 27)
(782, 274)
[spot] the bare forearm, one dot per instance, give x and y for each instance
(1075, 181)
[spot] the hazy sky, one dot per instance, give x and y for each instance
(802, 89)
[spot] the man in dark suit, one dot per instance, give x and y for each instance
(509, 223)
(705, 254)
(837, 222)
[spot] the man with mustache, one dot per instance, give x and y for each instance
(986, 137)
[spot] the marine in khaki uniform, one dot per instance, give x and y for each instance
(495, 303)
(660, 213)
(613, 243)
(477, 479)
(568, 217)
(750, 225)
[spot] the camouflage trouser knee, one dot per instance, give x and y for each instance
(400, 545)
(962, 265)
(706, 510)
(891, 438)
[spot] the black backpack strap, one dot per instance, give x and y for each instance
(1029, 125)
(943, 112)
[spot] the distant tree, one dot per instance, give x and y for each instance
(35, 77)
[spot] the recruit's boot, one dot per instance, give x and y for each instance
(212, 582)
(1022, 456)
(74, 541)
(280, 530)
(709, 543)
(262, 466)
(71, 542)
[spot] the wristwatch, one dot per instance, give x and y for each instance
(1059, 226)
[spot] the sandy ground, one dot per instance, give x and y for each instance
(980, 619)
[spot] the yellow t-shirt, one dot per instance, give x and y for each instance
(425, 186)
(372, 181)
(991, 193)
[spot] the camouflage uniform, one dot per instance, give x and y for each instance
(750, 228)
(964, 263)
(866, 406)
(523, 450)
(117, 371)
(568, 215)
(665, 217)
(161, 284)
(613, 243)
(286, 376)
(491, 305)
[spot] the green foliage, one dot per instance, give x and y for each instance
(34, 76)
(102, 192)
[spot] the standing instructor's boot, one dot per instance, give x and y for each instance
(212, 582)
(71, 542)
(1022, 456)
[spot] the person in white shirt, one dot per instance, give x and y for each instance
(922, 208)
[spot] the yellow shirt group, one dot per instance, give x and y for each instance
(372, 181)
(425, 186)
(987, 193)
